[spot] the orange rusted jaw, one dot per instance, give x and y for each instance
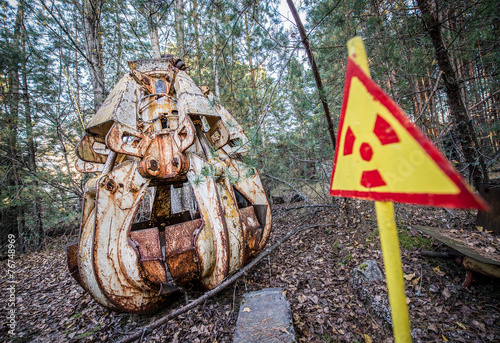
(172, 202)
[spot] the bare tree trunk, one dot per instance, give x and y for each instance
(75, 62)
(13, 214)
(76, 189)
(93, 48)
(179, 27)
(463, 125)
(119, 52)
(153, 32)
(252, 71)
(314, 67)
(37, 215)
(197, 40)
(214, 54)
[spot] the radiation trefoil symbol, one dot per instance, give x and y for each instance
(386, 135)
(382, 156)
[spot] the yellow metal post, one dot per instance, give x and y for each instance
(393, 270)
(388, 234)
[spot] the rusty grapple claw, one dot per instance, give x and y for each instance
(156, 138)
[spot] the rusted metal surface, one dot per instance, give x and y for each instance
(180, 251)
(72, 260)
(156, 130)
(253, 231)
(157, 64)
(151, 257)
(88, 167)
(87, 149)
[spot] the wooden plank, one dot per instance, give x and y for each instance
(437, 233)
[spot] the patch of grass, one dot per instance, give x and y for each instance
(408, 242)
(89, 333)
(346, 258)
(372, 235)
(326, 338)
(335, 247)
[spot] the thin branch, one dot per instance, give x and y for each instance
(493, 159)
(430, 97)
(480, 102)
(303, 206)
(36, 175)
(438, 254)
(232, 30)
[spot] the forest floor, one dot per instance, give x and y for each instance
(314, 268)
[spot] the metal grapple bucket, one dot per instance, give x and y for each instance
(158, 135)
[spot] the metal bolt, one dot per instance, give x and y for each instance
(110, 185)
(153, 165)
(180, 65)
(175, 161)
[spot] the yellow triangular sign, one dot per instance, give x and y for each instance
(382, 156)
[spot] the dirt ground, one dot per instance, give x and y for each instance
(314, 268)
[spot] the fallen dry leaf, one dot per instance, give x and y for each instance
(409, 277)
(367, 338)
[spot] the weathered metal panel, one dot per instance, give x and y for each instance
(238, 142)
(85, 150)
(180, 237)
(184, 267)
(116, 261)
(120, 106)
(251, 188)
(211, 212)
(127, 140)
(235, 234)
(181, 255)
(151, 257)
(253, 231)
(86, 263)
(190, 98)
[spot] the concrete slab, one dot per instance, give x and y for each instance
(264, 316)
